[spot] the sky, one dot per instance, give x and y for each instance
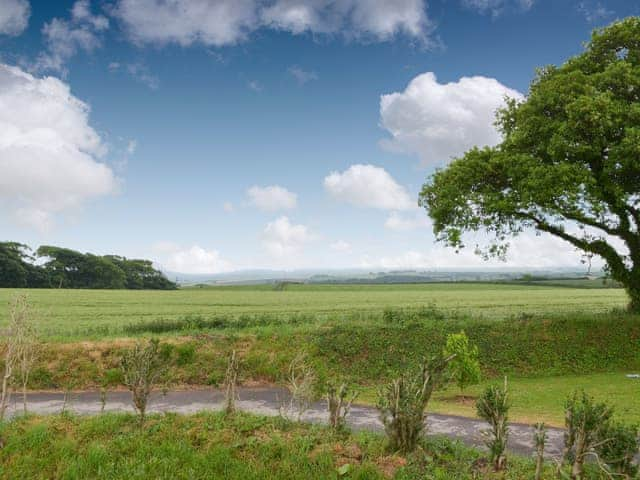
(221, 135)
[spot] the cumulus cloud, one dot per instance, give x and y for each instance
(194, 259)
(368, 186)
(14, 16)
(49, 154)
(227, 22)
(404, 223)
(272, 198)
(496, 7)
(64, 38)
(438, 121)
(527, 251)
(282, 239)
(301, 76)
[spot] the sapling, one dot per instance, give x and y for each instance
(465, 367)
(493, 406)
(142, 367)
(540, 439)
(586, 422)
(339, 400)
(300, 381)
(617, 447)
(230, 384)
(402, 403)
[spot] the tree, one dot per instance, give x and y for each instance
(465, 367)
(568, 164)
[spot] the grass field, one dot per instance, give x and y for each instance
(82, 313)
(243, 447)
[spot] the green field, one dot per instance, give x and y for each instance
(81, 313)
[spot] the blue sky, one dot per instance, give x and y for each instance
(220, 135)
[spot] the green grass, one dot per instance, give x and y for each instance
(210, 446)
(100, 313)
(539, 399)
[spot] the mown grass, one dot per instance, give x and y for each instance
(210, 446)
(96, 314)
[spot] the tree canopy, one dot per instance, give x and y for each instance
(568, 164)
(65, 268)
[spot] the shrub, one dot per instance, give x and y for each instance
(300, 381)
(617, 447)
(493, 406)
(402, 403)
(465, 367)
(142, 367)
(339, 400)
(186, 353)
(585, 423)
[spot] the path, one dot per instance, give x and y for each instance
(265, 401)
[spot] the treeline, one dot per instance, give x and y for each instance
(64, 268)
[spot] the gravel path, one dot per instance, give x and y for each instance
(265, 401)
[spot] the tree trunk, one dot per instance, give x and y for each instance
(633, 290)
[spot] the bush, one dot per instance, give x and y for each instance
(617, 447)
(141, 369)
(493, 407)
(402, 403)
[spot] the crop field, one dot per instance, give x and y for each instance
(78, 313)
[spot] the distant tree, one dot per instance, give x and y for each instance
(568, 165)
(13, 265)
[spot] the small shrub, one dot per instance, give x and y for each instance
(186, 353)
(300, 381)
(142, 367)
(585, 422)
(402, 403)
(617, 447)
(465, 367)
(493, 407)
(339, 400)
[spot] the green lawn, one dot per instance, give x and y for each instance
(67, 312)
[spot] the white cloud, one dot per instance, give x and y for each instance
(497, 7)
(404, 223)
(14, 16)
(132, 146)
(368, 186)
(228, 207)
(64, 38)
(301, 76)
(227, 22)
(49, 154)
(526, 251)
(341, 246)
(439, 121)
(283, 239)
(194, 259)
(272, 198)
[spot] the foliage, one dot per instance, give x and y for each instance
(586, 421)
(569, 156)
(339, 400)
(142, 367)
(64, 268)
(402, 403)
(618, 446)
(465, 366)
(493, 406)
